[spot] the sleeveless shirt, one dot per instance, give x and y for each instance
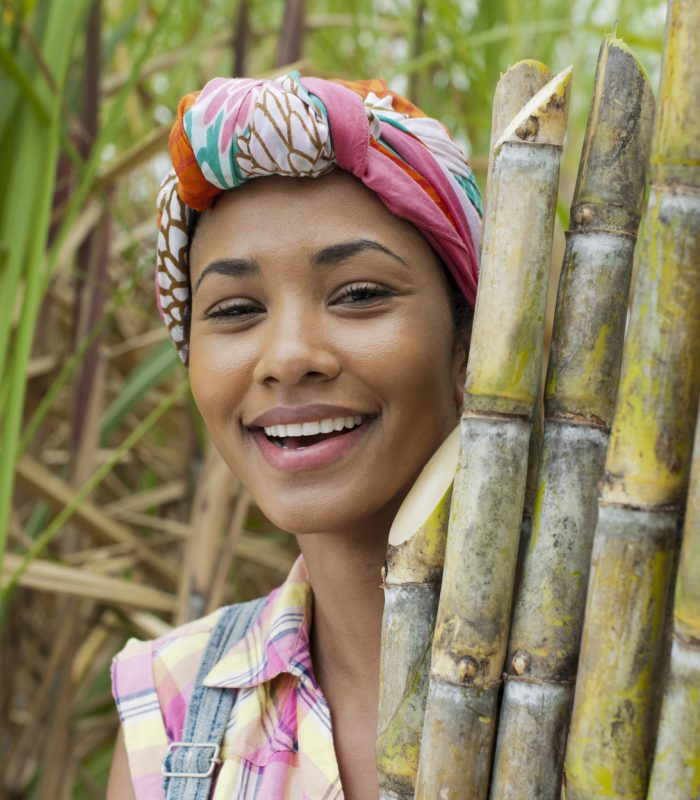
(278, 742)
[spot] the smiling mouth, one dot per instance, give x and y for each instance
(299, 435)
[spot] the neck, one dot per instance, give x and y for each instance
(345, 575)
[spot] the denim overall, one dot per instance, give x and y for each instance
(188, 769)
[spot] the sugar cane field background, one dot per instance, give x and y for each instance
(107, 479)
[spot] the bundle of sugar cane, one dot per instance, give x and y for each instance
(581, 385)
(646, 469)
(676, 771)
(503, 376)
(415, 555)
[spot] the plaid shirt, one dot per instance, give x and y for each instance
(278, 741)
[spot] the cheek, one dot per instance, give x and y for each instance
(412, 358)
(219, 379)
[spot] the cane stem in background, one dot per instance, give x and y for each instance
(584, 369)
(676, 771)
(417, 548)
(503, 376)
(411, 582)
(612, 732)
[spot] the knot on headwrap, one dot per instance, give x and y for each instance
(235, 130)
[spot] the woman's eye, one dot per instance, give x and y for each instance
(234, 310)
(362, 293)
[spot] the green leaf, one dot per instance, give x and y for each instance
(151, 372)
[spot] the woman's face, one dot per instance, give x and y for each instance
(322, 352)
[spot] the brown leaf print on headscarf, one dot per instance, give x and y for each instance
(174, 288)
(285, 136)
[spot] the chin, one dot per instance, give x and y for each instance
(305, 517)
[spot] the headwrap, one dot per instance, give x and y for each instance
(238, 129)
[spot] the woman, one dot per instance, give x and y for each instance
(324, 323)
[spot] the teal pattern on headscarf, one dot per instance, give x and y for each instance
(208, 155)
(471, 188)
(295, 75)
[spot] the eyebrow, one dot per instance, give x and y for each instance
(336, 253)
(231, 267)
(328, 256)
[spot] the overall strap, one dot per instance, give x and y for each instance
(189, 766)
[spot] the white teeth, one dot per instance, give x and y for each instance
(313, 428)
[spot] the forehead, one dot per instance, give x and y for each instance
(276, 215)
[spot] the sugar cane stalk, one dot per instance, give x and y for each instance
(516, 87)
(584, 369)
(415, 556)
(611, 737)
(503, 376)
(676, 771)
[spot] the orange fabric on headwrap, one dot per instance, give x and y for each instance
(193, 188)
(379, 87)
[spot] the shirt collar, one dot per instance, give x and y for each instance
(278, 641)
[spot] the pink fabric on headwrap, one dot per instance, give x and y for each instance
(240, 129)
(348, 122)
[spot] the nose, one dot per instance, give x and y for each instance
(294, 349)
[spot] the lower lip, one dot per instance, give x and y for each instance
(316, 456)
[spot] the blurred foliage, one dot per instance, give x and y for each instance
(103, 456)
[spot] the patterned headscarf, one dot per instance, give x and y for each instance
(238, 129)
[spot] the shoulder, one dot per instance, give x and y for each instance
(160, 669)
(164, 670)
(188, 634)
(152, 682)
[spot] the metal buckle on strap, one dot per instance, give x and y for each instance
(213, 761)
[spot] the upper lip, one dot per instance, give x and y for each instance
(287, 415)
